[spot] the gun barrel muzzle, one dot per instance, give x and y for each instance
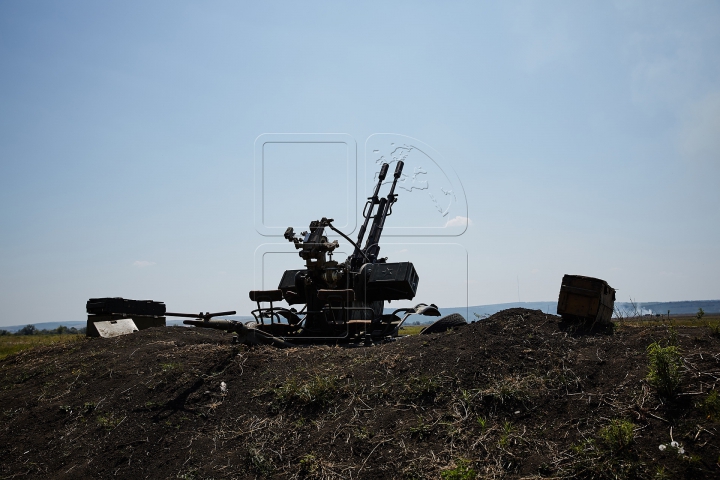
(383, 171)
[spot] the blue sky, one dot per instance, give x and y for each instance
(586, 137)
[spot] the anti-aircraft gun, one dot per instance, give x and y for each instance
(343, 302)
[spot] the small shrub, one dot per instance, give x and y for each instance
(618, 435)
(664, 370)
(700, 314)
(463, 471)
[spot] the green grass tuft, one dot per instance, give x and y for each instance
(463, 471)
(664, 370)
(618, 435)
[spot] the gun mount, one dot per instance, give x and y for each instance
(343, 302)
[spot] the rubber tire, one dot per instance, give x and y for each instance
(443, 323)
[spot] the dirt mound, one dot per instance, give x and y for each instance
(516, 395)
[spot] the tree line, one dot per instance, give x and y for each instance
(32, 330)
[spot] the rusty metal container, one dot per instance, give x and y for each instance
(586, 299)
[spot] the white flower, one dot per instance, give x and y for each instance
(681, 451)
(674, 444)
(662, 447)
(223, 387)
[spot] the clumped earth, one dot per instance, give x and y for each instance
(518, 395)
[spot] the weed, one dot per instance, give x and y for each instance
(168, 367)
(664, 370)
(421, 430)
(189, 475)
(507, 428)
(362, 433)
(714, 328)
(482, 421)
(261, 464)
(662, 474)
(421, 387)
(582, 448)
(672, 332)
(711, 405)
(309, 465)
(108, 422)
(414, 471)
(505, 437)
(317, 391)
(463, 471)
(299, 423)
(618, 435)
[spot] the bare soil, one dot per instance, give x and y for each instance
(518, 395)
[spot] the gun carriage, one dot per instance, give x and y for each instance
(342, 302)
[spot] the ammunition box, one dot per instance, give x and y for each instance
(99, 306)
(586, 298)
(387, 281)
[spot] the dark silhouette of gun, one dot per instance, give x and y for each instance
(372, 247)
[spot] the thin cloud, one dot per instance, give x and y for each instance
(458, 221)
(142, 263)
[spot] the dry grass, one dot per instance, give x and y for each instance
(680, 321)
(411, 329)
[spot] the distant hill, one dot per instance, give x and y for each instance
(681, 308)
